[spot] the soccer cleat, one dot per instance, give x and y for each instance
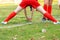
(4, 22)
(56, 22)
(43, 19)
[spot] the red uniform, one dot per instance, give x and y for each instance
(32, 3)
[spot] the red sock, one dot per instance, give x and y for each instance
(50, 17)
(45, 8)
(49, 9)
(10, 17)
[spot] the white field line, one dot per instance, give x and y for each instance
(15, 25)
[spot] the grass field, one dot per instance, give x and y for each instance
(12, 31)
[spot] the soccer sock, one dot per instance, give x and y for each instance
(45, 8)
(50, 17)
(49, 9)
(10, 17)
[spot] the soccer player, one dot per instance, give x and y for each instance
(48, 8)
(35, 5)
(59, 3)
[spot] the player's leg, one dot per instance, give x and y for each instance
(21, 6)
(50, 6)
(45, 13)
(47, 7)
(12, 14)
(59, 3)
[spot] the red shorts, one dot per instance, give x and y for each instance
(26, 3)
(36, 0)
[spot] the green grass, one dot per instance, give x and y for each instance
(28, 32)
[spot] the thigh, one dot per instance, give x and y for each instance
(48, 2)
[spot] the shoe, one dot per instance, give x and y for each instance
(4, 22)
(43, 19)
(56, 22)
